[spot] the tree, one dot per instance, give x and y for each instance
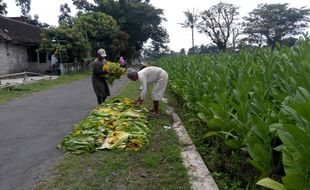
(99, 29)
(290, 41)
(24, 5)
(138, 19)
(235, 34)
(193, 50)
(73, 44)
(276, 21)
(33, 21)
(191, 22)
(159, 39)
(150, 54)
(211, 48)
(89, 32)
(218, 23)
(254, 38)
(182, 51)
(83, 5)
(65, 18)
(3, 8)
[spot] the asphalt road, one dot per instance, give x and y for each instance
(31, 127)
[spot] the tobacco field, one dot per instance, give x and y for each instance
(257, 101)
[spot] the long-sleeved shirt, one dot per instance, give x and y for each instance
(149, 75)
(53, 60)
(98, 71)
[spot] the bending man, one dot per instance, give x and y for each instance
(147, 76)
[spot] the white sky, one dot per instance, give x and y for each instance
(48, 11)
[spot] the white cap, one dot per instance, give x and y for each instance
(102, 53)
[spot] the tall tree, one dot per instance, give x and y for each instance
(71, 40)
(191, 22)
(99, 29)
(276, 21)
(24, 5)
(3, 8)
(253, 38)
(217, 23)
(137, 18)
(84, 5)
(182, 51)
(65, 18)
(159, 39)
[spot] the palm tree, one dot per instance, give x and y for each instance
(191, 22)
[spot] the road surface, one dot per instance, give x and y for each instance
(32, 126)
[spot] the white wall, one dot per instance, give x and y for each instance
(13, 58)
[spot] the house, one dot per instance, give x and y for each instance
(19, 42)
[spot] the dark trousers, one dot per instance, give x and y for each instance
(101, 89)
(54, 69)
(101, 99)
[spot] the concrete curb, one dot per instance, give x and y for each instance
(200, 177)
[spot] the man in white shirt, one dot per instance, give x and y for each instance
(53, 63)
(147, 76)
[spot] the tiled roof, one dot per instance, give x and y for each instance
(19, 32)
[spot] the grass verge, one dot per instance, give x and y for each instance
(156, 166)
(27, 89)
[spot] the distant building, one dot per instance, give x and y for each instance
(19, 43)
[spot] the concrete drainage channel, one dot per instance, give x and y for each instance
(10, 80)
(200, 177)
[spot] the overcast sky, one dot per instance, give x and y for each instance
(48, 11)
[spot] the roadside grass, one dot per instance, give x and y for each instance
(27, 89)
(156, 166)
(229, 169)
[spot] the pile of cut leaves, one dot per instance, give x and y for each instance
(115, 124)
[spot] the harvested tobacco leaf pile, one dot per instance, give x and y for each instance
(116, 124)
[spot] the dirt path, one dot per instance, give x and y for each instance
(31, 127)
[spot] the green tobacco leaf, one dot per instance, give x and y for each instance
(218, 111)
(271, 184)
(203, 117)
(296, 181)
(213, 133)
(260, 154)
(232, 143)
(215, 124)
(273, 127)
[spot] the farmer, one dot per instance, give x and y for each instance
(122, 62)
(150, 75)
(100, 85)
